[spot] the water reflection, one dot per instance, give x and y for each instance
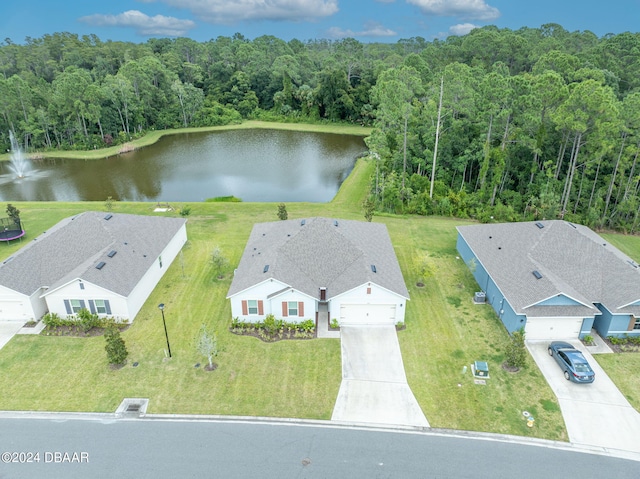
(255, 165)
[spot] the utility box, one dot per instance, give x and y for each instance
(480, 297)
(480, 369)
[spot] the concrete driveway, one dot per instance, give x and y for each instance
(596, 414)
(374, 386)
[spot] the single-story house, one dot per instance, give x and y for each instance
(107, 263)
(319, 268)
(555, 279)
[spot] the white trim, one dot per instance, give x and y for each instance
(590, 306)
(366, 284)
(266, 280)
(75, 280)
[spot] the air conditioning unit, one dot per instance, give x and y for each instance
(480, 297)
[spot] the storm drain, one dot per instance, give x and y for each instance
(132, 407)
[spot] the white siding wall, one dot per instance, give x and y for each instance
(273, 305)
(145, 286)
(72, 290)
(359, 296)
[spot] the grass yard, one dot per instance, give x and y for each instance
(623, 368)
(445, 332)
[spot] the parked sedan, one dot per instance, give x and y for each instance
(572, 362)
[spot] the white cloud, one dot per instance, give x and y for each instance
(143, 24)
(466, 9)
(225, 11)
(462, 28)
(372, 29)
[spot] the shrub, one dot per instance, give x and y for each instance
(334, 323)
(282, 211)
(88, 320)
(116, 349)
(185, 210)
(52, 320)
(516, 354)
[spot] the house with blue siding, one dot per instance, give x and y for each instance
(554, 279)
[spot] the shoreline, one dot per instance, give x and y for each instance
(154, 136)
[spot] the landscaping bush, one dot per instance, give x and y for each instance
(116, 349)
(516, 354)
(273, 329)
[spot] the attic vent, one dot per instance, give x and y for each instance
(335, 223)
(536, 274)
(628, 261)
(573, 226)
(303, 222)
(100, 265)
(539, 225)
(7, 260)
(108, 217)
(266, 268)
(112, 253)
(373, 268)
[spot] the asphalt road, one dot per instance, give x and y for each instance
(98, 447)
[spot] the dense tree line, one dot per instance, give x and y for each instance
(533, 123)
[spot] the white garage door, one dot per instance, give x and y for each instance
(552, 328)
(368, 314)
(12, 310)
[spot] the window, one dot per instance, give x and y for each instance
(76, 305)
(101, 307)
(252, 306)
(636, 325)
(293, 308)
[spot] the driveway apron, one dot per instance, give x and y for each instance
(596, 414)
(374, 386)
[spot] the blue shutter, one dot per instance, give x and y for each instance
(106, 305)
(92, 307)
(67, 306)
(82, 305)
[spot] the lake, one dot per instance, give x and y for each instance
(254, 165)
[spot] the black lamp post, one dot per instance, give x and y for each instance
(161, 306)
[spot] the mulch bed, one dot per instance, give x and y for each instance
(272, 338)
(77, 331)
(623, 348)
(510, 369)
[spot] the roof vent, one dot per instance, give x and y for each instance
(266, 268)
(112, 253)
(539, 225)
(303, 222)
(100, 265)
(335, 222)
(373, 268)
(108, 217)
(537, 274)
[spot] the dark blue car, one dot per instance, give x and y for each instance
(572, 362)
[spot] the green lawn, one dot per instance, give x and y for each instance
(623, 368)
(445, 332)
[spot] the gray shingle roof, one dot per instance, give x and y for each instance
(572, 260)
(319, 254)
(72, 248)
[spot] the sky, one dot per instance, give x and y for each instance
(366, 20)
